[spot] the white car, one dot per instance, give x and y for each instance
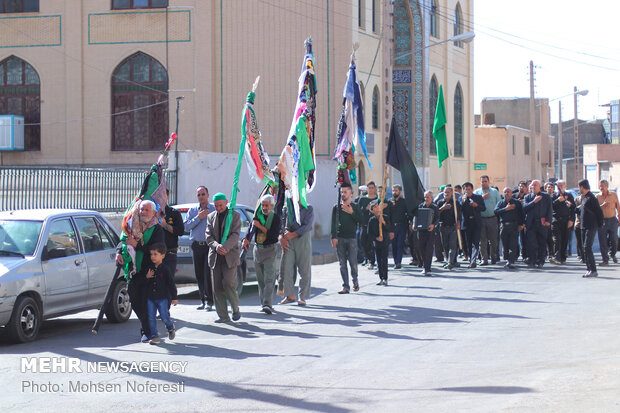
(55, 262)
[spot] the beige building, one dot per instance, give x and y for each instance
(516, 112)
(602, 162)
(403, 70)
(504, 154)
(69, 65)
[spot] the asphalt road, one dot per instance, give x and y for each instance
(483, 340)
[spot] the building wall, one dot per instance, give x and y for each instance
(603, 162)
(212, 56)
(494, 146)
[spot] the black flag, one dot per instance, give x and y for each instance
(398, 157)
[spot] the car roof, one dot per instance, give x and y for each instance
(43, 213)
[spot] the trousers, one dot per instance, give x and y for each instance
(488, 233)
(398, 243)
(608, 238)
(224, 288)
(427, 243)
(448, 242)
(510, 240)
(559, 228)
(298, 257)
(536, 237)
(347, 253)
(588, 239)
(202, 270)
(265, 258)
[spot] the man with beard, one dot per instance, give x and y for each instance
(367, 242)
(563, 219)
(265, 229)
(345, 217)
(426, 236)
(471, 206)
(224, 258)
(448, 225)
(510, 213)
(523, 190)
(591, 217)
(400, 223)
(538, 216)
(148, 233)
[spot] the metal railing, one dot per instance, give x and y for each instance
(101, 189)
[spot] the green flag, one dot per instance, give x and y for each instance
(439, 128)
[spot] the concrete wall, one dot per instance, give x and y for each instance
(216, 171)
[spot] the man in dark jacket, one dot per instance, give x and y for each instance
(563, 219)
(400, 223)
(511, 218)
(591, 218)
(471, 206)
(426, 236)
(448, 225)
(173, 227)
(538, 216)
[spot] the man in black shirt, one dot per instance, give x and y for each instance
(173, 228)
(426, 236)
(591, 218)
(448, 226)
(471, 206)
(345, 218)
(563, 218)
(366, 241)
(511, 218)
(265, 229)
(381, 239)
(400, 220)
(538, 216)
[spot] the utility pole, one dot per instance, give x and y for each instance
(560, 148)
(576, 130)
(535, 164)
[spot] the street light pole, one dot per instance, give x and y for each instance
(560, 143)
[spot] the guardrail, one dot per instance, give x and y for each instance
(101, 189)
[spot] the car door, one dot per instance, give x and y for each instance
(64, 268)
(99, 253)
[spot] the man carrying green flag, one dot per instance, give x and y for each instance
(439, 128)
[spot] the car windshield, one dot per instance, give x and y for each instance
(19, 236)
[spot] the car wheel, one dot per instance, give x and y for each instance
(119, 308)
(241, 269)
(25, 321)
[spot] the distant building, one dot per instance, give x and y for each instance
(516, 112)
(602, 162)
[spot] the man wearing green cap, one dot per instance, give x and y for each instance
(224, 258)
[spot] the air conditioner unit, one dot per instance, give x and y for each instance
(11, 133)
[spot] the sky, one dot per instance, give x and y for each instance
(572, 43)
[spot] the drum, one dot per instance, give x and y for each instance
(423, 219)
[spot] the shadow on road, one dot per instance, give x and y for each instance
(488, 389)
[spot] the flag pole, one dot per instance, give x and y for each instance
(456, 215)
(381, 203)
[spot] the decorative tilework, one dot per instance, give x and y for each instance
(401, 103)
(418, 70)
(402, 33)
(401, 76)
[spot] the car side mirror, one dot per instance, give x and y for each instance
(45, 254)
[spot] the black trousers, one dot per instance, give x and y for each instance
(437, 244)
(588, 235)
(472, 232)
(137, 290)
(522, 240)
(579, 239)
(427, 243)
(381, 250)
(367, 245)
(559, 228)
(536, 238)
(203, 272)
(509, 234)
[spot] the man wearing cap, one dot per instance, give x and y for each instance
(196, 224)
(224, 257)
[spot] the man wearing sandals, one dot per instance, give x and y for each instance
(296, 241)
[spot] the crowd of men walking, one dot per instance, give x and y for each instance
(483, 226)
(533, 221)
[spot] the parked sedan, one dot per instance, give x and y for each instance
(55, 262)
(185, 263)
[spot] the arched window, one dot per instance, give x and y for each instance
(433, 91)
(20, 94)
(139, 98)
(458, 23)
(375, 108)
(434, 19)
(458, 121)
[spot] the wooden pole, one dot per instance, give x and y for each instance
(381, 203)
(456, 215)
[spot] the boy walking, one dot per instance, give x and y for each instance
(160, 289)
